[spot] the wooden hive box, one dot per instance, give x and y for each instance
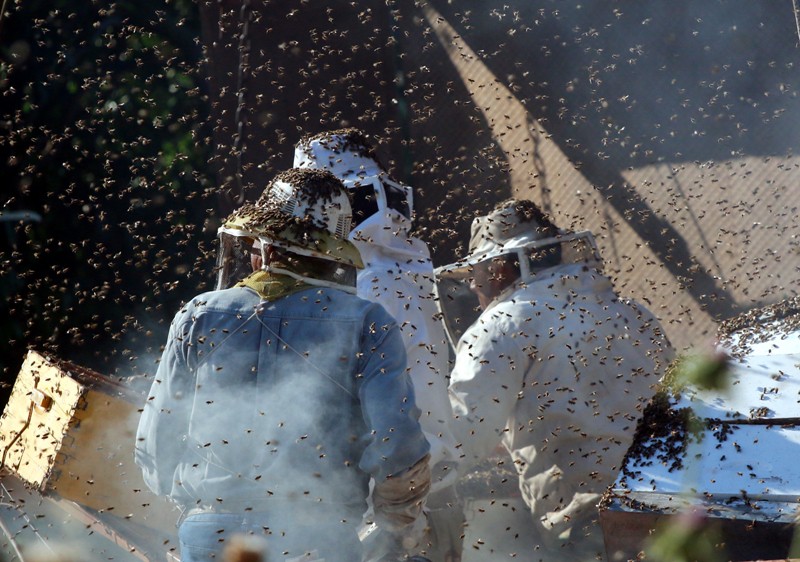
(70, 432)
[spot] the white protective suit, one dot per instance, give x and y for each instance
(398, 274)
(558, 369)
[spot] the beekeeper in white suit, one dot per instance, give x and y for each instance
(397, 274)
(557, 368)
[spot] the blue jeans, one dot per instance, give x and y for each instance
(203, 536)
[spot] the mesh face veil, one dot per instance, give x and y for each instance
(306, 215)
(233, 257)
(459, 304)
(517, 232)
(349, 155)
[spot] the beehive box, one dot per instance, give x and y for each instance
(70, 432)
(728, 456)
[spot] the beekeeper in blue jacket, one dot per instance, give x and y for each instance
(280, 394)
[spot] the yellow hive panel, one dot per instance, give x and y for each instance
(68, 431)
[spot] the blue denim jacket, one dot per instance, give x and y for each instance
(300, 399)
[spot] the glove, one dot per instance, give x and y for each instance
(399, 499)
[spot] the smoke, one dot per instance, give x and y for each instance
(63, 552)
(237, 415)
(267, 425)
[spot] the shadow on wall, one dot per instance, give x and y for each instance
(576, 97)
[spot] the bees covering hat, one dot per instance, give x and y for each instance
(350, 156)
(304, 212)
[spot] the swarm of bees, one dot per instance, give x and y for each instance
(130, 132)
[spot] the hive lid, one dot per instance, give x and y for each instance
(739, 442)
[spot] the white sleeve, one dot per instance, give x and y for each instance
(484, 388)
(407, 296)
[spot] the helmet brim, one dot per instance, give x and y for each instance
(292, 235)
(490, 250)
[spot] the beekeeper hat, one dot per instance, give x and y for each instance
(349, 154)
(346, 153)
(304, 212)
(513, 226)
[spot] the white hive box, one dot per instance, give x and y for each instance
(741, 470)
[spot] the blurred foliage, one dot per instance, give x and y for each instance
(104, 135)
(703, 370)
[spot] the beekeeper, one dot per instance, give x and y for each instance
(280, 393)
(556, 368)
(397, 273)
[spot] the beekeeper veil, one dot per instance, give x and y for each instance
(516, 231)
(303, 214)
(350, 156)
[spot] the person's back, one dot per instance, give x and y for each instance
(586, 362)
(275, 422)
(276, 400)
(400, 279)
(558, 369)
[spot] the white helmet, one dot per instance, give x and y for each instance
(350, 156)
(304, 212)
